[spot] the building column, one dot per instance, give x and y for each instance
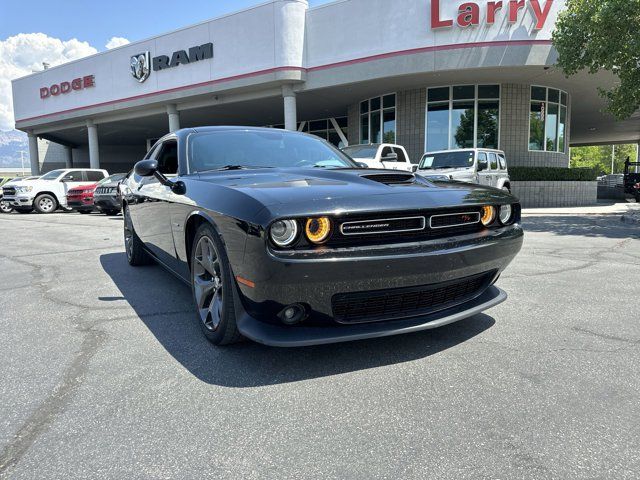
(68, 159)
(290, 108)
(174, 117)
(94, 147)
(34, 157)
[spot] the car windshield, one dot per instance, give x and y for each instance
(52, 175)
(116, 177)
(432, 161)
(361, 151)
(248, 149)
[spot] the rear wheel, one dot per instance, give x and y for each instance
(45, 203)
(211, 284)
(5, 207)
(136, 254)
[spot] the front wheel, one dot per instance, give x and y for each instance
(211, 284)
(111, 213)
(136, 254)
(5, 207)
(84, 212)
(45, 203)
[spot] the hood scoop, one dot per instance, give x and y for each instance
(391, 178)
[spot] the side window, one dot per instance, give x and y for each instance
(73, 176)
(503, 162)
(385, 152)
(482, 158)
(94, 176)
(493, 159)
(168, 158)
(401, 156)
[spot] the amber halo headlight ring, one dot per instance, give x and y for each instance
(506, 215)
(488, 215)
(318, 229)
(283, 233)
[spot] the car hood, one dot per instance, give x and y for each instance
(459, 174)
(326, 191)
(110, 184)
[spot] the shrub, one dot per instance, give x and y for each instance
(551, 174)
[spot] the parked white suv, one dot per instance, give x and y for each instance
(473, 165)
(49, 192)
(381, 155)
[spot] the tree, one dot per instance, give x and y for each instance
(599, 157)
(603, 35)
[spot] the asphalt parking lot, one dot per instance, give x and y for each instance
(105, 373)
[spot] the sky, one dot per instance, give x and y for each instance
(36, 31)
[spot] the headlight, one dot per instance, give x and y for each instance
(318, 229)
(488, 215)
(23, 189)
(284, 232)
(506, 214)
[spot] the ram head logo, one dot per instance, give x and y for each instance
(140, 66)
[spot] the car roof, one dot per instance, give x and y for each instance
(465, 150)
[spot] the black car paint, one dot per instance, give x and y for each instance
(242, 204)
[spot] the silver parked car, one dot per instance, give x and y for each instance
(473, 165)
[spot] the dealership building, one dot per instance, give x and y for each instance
(429, 75)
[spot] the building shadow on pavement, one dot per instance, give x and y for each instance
(163, 303)
(606, 226)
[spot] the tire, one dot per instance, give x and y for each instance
(45, 203)
(211, 286)
(23, 209)
(5, 207)
(136, 254)
(111, 213)
(84, 212)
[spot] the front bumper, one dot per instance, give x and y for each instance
(314, 278)
(277, 336)
(106, 202)
(18, 200)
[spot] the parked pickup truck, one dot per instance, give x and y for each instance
(50, 191)
(381, 155)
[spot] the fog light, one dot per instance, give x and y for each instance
(293, 314)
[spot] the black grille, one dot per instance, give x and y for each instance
(381, 226)
(391, 178)
(398, 303)
(105, 190)
(454, 219)
(11, 191)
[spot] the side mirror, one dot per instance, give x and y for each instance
(414, 168)
(483, 165)
(362, 165)
(392, 157)
(68, 178)
(146, 168)
(149, 168)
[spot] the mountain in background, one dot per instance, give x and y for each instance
(11, 142)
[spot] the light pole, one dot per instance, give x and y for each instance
(613, 158)
(22, 152)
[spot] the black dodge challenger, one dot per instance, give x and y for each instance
(287, 241)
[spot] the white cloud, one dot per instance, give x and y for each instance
(116, 42)
(24, 53)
